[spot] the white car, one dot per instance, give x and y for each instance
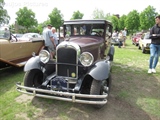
(29, 37)
(144, 43)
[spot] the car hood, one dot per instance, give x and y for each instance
(86, 41)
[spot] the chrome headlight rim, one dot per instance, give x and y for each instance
(44, 56)
(84, 61)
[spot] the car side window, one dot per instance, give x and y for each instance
(108, 31)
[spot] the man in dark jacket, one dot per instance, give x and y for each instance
(155, 45)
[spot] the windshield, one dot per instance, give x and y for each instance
(84, 29)
(146, 36)
(4, 33)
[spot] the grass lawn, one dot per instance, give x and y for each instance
(135, 94)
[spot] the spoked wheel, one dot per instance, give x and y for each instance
(100, 88)
(33, 78)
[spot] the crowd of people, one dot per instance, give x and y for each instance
(154, 46)
(122, 36)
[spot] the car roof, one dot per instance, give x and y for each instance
(80, 21)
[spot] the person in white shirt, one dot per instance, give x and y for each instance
(55, 36)
(124, 32)
(114, 34)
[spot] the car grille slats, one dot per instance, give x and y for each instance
(67, 60)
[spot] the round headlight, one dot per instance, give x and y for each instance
(86, 59)
(44, 56)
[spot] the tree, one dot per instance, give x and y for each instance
(41, 26)
(77, 15)
(132, 21)
(122, 22)
(26, 18)
(98, 14)
(56, 18)
(4, 17)
(115, 22)
(147, 18)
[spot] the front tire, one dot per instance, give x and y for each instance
(33, 78)
(100, 88)
(96, 90)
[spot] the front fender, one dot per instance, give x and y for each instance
(32, 63)
(101, 70)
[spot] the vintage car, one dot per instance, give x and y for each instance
(16, 53)
(29, 37)
(114, 41)
(144, 43)
(81, 72)
(136, 38)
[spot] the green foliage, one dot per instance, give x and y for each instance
(132, 21)
(98, 14)
(122, 22)
(4, 17)
(115, 22)
(147, 18)
(26, 18)
(77, 15)
(56, 18)
(108, 17)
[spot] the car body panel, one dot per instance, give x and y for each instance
(144, 42)
(136, 38)
(16, 53)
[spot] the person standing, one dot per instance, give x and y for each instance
(120, 38)
(124, 32)
(155, 45)
(55, 36)
(49, 40)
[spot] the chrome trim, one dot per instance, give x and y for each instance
(73, 46)
(64, 96)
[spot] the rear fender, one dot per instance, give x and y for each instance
(32, 63)
(101, 70)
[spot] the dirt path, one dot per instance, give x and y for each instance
(116, 109)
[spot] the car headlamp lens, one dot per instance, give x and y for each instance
(44, 56)
(86, 59)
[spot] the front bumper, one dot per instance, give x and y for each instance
(64, 96)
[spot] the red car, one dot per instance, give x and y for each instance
(136, 38)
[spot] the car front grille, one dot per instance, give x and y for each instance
(66, 62)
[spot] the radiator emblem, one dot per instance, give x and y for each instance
(73, 74)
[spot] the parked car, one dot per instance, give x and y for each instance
(16, 53)
(81, 72)
(136, 38)
(30, 37)
(15, 35)
(114, 41)
(144, 43)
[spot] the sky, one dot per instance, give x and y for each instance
(42, 8)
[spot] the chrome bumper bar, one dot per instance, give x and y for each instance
(64, 96)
